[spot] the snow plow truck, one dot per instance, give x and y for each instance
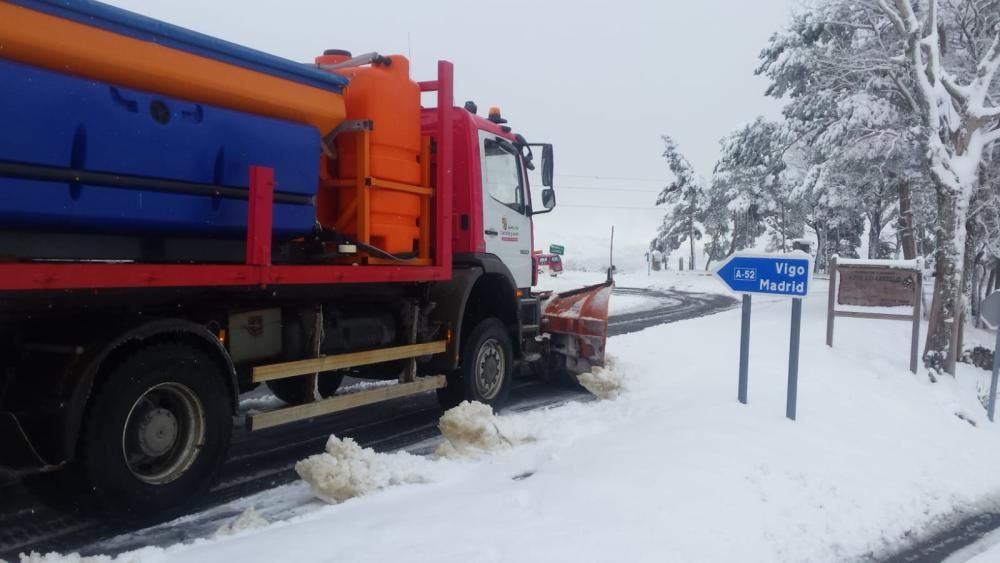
(183, 219)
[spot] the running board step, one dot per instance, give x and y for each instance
(283, 370)
(344, 402)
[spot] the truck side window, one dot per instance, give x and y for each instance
(502, 175)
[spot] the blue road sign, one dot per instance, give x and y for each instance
(785, 275)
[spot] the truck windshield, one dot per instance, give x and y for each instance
(502, 175)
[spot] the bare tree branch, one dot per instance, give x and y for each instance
(893, 15)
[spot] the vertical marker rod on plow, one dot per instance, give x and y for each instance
(793, 359)
(993, 383)
(744, 349)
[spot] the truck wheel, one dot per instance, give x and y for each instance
(297, 390)
(157, 431)
(293, 390)
(328, 382)
(486, 367)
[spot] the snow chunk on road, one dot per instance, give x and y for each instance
(604, 383)
(250, 519)
(471, 429)
(346, 470)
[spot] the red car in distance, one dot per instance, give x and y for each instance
(550, 263)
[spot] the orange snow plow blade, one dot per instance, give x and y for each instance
(578, 324)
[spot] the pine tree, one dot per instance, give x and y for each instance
(685, 201)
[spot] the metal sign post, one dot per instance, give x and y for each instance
(744, 350)
(990, 311)
(779, 275)
(793, 360)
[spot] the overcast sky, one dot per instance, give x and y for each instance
(601, 80)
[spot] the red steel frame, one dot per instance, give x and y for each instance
(258, 270)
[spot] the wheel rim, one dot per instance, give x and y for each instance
(490, 369)
(164, 433)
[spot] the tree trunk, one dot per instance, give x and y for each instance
(691, 239)
(820, 263)
(874, 234)
(784, 245)
(906, 234)
(968, 271)
(941, 344)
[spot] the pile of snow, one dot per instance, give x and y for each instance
(471, 429)
(604, 383)
(249, 519)
(346, 470)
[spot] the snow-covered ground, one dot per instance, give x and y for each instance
(675, 469)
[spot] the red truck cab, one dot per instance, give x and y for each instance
(495, 219)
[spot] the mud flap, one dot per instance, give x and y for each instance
(577, 322)
(17, 455)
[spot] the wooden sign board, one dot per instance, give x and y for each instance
(865, 284)
(876, 286)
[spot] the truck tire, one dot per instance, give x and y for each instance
(157, 430)
(485, 372)
(297, 391)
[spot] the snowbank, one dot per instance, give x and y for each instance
(346, 470)
(471, 429)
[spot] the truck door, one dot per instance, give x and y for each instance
(506, 220)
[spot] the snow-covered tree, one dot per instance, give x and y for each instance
(907, 86)
(718, 224)
(960, 120)
(752, 170)
(685, 202)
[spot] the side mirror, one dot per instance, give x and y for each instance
(547, 167)
(548, 198)
(526, 154)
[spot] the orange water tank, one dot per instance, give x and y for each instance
(383, 93)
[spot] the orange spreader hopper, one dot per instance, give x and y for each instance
(383, 94)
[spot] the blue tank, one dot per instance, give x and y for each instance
(80, 155)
